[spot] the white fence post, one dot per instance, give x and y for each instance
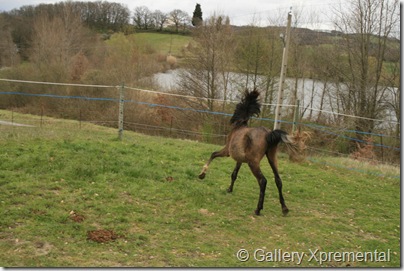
(121, 103)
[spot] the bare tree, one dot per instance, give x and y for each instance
(207, 73)
(394, 95)
(118, 15)
(258, 57)
(142, 17)
(297, 55)
(8, 49)
(102, 15)
(251, 52)
(160, 18)
(367, 27)
(56, 41)
(179, 18)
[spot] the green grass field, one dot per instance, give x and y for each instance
(164, 43)
(59, 182)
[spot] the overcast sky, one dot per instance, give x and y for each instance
(241, 12)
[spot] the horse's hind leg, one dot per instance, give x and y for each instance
(273, 163)
(234, 177)
(255, 169)
(222, 153)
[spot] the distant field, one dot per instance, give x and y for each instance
(59, 184)
(163, 43)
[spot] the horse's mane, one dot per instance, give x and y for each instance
(247, 108)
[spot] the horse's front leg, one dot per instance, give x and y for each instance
(222, 153)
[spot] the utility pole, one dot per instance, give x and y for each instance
(277, 124)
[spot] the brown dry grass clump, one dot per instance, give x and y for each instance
(102, 236)
(365, 153)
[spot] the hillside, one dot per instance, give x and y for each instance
(62, 182)
(165, 44)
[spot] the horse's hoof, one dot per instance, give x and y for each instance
(202, 175)
(285, 211)
(229, 190)
(257, 212)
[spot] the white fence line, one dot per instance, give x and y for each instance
(189, 97)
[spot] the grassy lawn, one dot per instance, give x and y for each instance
(59, 182)
(163, 43)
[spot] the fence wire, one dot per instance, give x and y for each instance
(146, 111)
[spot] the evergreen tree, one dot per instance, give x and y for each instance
(197, 16)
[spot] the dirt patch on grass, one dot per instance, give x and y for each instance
(76, 217)
(37, 248)
(99, 236)
(43, 248)
(102, 236)
(205, 212)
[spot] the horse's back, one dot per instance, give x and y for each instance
(248, 144)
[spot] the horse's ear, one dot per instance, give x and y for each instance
(255, 93)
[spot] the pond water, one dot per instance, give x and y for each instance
(313, 95)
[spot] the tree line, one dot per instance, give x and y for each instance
(100, 16)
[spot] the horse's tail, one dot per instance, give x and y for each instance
(276, 136)
(247, 108)
(295, 143)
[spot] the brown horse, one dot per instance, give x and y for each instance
(249, 145)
